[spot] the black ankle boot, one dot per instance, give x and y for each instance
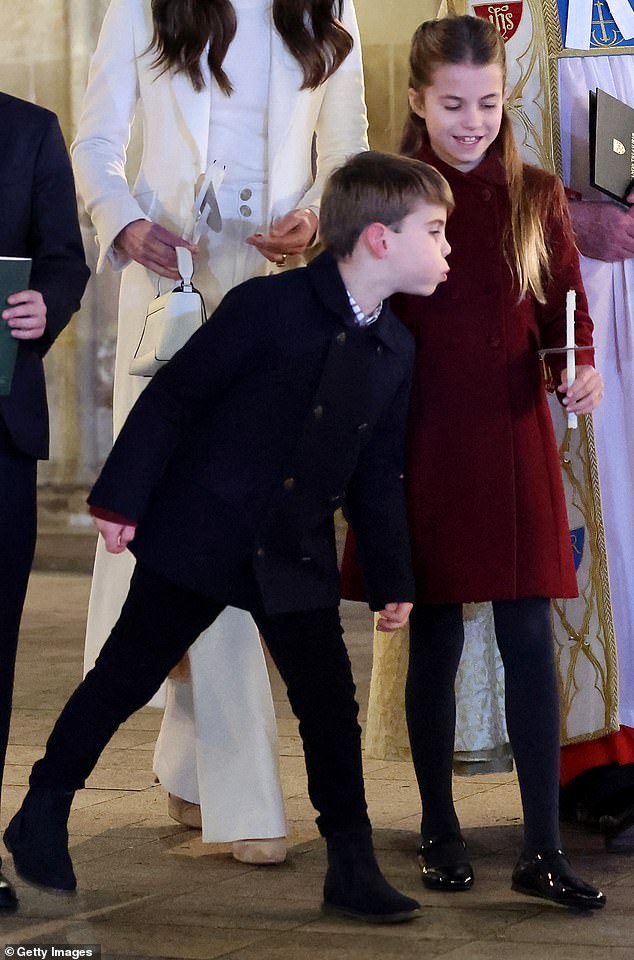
(38, 839)
(8, 898)
(549, 875)
(444, 865)
(355, 886)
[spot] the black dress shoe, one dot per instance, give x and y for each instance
(550, 876)
(444, 865)
(37, 836)
(618, 830)
(8, 898)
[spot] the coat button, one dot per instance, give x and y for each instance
(379, 349)
(486, 194)
(246, 194)
(362, 427)
(318, 412)
(341, 338)
(494, 342)
(245, 210)
(289, 483)
(260, 552)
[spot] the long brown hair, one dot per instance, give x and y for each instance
(475, 41)
(311, 30)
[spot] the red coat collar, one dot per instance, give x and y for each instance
(490, 170)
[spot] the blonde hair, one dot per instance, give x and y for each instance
(475, 41)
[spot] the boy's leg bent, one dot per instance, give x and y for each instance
(159, 621)
(310, 654)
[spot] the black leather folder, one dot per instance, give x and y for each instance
(611, 145)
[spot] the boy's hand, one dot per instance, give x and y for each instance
(393, 616)
(26, 315)
(586, 392)
(117, 536)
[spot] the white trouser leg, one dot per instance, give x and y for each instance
(219, 734)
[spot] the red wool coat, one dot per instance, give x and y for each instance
(487, 510)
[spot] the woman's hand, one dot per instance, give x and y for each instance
(586, 392)
(288, 237)
(26, 315)
(152, 246)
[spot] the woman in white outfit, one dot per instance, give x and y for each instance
(243, 84)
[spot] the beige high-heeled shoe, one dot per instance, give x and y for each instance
(267, 850)
(183, 811)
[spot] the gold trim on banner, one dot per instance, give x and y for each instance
(581, 469)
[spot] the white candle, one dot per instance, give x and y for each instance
(571, 302)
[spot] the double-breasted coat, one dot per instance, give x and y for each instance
(485, 496)
(237, 454)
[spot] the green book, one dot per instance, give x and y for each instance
(14, 277)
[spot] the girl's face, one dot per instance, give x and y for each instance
(462, 110)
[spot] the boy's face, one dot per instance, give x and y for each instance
(418, 248)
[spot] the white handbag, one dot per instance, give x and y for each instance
(170, 320)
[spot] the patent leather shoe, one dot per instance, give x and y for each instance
(8, 898)
(549, 875)
(444, 865)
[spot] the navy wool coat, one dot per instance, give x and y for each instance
(275, 413)
(38, 219)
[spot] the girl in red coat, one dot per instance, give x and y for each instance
(488, 516)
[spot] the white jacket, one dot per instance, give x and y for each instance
(176, 128)
(175, 152)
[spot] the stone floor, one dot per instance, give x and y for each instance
(149, 888)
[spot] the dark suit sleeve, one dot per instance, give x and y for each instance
(376, 509)
(225, 349)
(59, 270)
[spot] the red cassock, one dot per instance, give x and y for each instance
(487, 509)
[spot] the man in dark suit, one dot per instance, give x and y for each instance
(38, 219)
(224, 480)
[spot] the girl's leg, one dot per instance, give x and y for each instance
(436, 641)
(524, 635)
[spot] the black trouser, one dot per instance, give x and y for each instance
(158, 623)
(524, 636)
(17, 545)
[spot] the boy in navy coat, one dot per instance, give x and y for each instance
(38, 220)
(290, 402)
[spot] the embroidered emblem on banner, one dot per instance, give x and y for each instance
(577, 539)
(618, 147)
(505, 16)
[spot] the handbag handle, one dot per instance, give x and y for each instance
(185, 265)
